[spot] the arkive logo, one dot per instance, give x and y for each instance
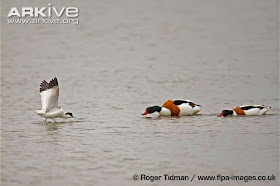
(44, 12)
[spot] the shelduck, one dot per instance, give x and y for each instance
(248, 110)
(175, 108)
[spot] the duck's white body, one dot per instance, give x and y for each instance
(165, 112)
(187, 110)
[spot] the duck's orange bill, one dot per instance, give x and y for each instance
(145, 113)
(220, 115)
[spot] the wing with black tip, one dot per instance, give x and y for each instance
(49, 94)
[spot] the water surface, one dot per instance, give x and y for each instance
(123, 57)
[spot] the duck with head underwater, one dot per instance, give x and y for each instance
(175, 108)
(245, 110)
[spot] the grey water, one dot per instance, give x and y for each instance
(124, 56)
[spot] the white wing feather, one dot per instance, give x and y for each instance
(49, 95)
(49, 99)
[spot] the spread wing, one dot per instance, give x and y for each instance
(49, 94)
